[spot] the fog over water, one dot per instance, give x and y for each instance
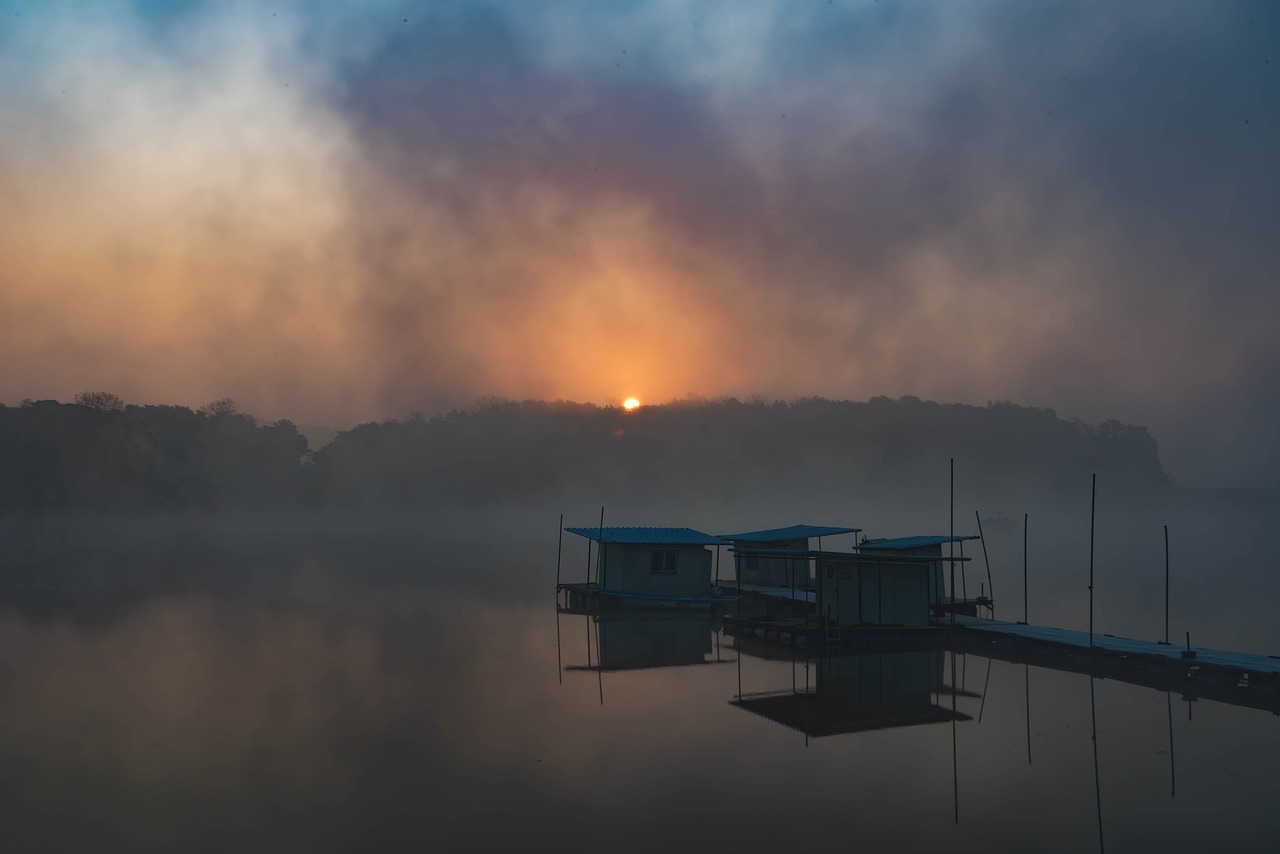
(342, 681)
(333, 276)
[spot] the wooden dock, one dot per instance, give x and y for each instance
(1238, 678)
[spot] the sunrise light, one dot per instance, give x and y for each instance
(630, 404)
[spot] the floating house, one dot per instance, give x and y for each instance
(778, 557)
(649, 565)
(887, 582)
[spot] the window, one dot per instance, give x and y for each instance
(662, 562)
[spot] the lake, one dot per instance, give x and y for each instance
(404, 682)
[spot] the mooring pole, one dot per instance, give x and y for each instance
(1025, 517)
(951, 546)
(1166, 584)
(600, 542)
(990, 585)
(1093, 502)
(560, 551)
(717, 567)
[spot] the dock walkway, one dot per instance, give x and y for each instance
(1129, 647)
(786, 593)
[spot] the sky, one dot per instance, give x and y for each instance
(348, 211)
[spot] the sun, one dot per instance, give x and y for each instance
(630, 403)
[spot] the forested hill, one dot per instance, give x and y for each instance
(99, 454)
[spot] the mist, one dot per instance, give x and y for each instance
(351, 212)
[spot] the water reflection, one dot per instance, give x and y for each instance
(856, 693)
(402, 698)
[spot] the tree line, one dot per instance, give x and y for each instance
(98, 453)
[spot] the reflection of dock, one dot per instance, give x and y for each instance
(803, 634)
(1240, 679)
(859, 693)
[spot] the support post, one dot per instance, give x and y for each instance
(879, 592)
(1166, 584)
(1025, 517)
(560, 551)
(600, 541)
(1093, 503)
(951, 545)
(990, 585)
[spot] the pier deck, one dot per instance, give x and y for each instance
(1129, 647)
(786, 593)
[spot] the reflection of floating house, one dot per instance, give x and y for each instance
(788, 566)
(655, 566)
(640, 640)
(855, 693)
(888, 582)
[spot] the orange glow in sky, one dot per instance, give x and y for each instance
(630, 403)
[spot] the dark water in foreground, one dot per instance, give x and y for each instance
(404, 691)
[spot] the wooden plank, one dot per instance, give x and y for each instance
(1122, 646)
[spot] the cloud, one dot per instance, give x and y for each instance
(353, 212)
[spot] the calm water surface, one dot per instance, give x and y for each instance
(398, 689)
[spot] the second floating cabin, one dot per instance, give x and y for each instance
(777, 557)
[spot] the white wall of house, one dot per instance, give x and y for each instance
(862, 592)
(940, 587)
(630, 568)
(773, 571)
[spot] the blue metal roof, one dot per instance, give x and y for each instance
(795, 532)
(894, 543)
(649, 536)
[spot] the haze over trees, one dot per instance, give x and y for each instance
(99, 454)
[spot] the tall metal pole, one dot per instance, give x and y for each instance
(1025, 517)
(990, 586)
(559, 664)
(1166, 584)
(600, 545)
(951, 546)
(1093, 501)
(560, 551)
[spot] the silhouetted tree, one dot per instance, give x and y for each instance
(103, 401)
(220, 408)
